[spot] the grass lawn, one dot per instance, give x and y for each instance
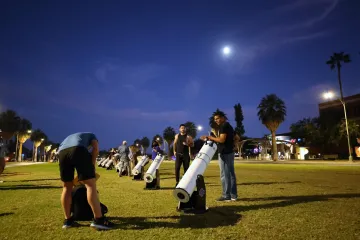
(277, 201)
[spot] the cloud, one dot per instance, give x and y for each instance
(313, 94)
(101, 73)
(121, 112)
(268, 33)
(115, 72)
(305, 37)
(192, 88)
(330, 7)
(141, 92)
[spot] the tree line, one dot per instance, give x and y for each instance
(11, 124)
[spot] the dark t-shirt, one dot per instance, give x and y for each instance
(181, 146)
(228, 145)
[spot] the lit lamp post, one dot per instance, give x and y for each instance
(330, 95)
(36, 145)
(20, 140)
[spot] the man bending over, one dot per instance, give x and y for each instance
(74, 154)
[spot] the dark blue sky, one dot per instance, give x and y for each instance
(128, 69)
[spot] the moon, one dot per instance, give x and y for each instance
(226, 50)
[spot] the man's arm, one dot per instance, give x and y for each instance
(95, 150)
(222, 134)
(190, 141)
(220, 139)
(174, 145)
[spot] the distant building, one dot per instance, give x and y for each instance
(333, 111)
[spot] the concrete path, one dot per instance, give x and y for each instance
(19, 164)
(312, 162)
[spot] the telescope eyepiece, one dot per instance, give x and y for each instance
(181, 196)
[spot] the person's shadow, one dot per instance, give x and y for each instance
(218, 216)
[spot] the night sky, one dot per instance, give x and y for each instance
(128, 69)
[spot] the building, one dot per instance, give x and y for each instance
(333, 111)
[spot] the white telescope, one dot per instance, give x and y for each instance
(187, 184)
(141, 163)
(109, 164)
(103, 164)
(151, 172)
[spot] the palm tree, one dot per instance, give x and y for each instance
(335, 62)
(37, 137)
(9, 124)
(191, 129)
(137, 142)
(145, 143)
(169, 136)
(46, 146)
(353, 127)
(24, 134)
(272, 112)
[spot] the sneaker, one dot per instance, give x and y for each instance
(234, 199)
(223, 199)
(68, 223)
(101, 224)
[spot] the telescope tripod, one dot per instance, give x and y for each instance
(140, 176)
(197, 202)
(155, 184)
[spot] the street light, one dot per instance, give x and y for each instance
(199, 128)
(17, 144)
(330, 95)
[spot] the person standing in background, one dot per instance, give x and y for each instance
(225, 142)
(182, 144)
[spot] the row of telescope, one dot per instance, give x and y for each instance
(188, 183)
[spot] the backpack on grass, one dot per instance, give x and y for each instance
(80, 207)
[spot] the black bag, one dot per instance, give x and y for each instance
(80, 207)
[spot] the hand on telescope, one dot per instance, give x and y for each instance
(204, 137)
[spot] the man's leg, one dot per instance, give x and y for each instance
(67, 177)
(66, 198)
(86, 172)
(132, 165)
(227, 176)
(100, 222)
(186, 162)
(92, 197)
(120, 167)
(233, 186)
(223, 179)
(128, 169)
(178, 162)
